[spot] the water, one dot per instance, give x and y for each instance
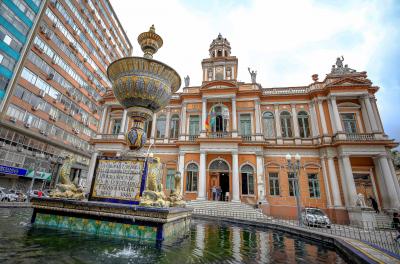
(208, 242)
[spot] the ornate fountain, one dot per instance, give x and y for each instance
(126, 197)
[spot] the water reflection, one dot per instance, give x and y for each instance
(208, 242)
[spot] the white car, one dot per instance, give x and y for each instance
(315, 217)
(6, 196)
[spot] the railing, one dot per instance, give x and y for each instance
(355, 137)
(246, 137)
(192, 137)
(284, 91)
(224, 134)
(109, 136)
(372, 232)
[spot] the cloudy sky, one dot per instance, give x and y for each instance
(285, 41)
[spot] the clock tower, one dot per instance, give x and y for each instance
(221, 65)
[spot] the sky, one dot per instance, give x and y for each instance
(284, 41)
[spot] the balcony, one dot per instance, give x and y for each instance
(224, 134)
(109, 138)
(358, 137)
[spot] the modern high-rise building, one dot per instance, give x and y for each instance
(53, 72)
(237, 136)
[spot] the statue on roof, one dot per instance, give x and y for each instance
(338, 67)
(253, 75)
(187, 80)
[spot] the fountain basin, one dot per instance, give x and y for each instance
(112, 219)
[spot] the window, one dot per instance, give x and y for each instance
(160, 126)
(313, 185)
(219, 118)
(292, 184)
(194, 122)
(116, 126)
(286, 125)
(273, 183)
(7, 38)
(247, 180)
(245, 124)
(304, 127)
(269, 126)
(349, 122)
(170, 180)
(174, 126)
(192, 172)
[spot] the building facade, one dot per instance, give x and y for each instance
(236, 135)
(50, 106)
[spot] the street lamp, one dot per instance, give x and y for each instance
(38, 156)
(294, 167)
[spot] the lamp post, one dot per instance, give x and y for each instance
(38, 155)
(294, 167)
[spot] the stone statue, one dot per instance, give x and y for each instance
(153, 196)
(175, 198)
(339, 62)
(253, 75)
(187, 80)
(67, 189)
(360, 200)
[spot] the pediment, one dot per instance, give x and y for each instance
(349, 81)
(215, 85)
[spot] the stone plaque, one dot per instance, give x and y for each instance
(117, 180)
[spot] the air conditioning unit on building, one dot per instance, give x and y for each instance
(41, 131)
(50, 76)
(90, 77)
(54, 25)
(43, 28)
(52, 117)
(42, 93)
(46, 134)
(27, 124)
(13, 119)
(49, 34)
(35, 107)
(71, 113)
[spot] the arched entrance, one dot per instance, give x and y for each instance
(219, 178)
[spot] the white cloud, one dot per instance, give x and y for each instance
(285, 41)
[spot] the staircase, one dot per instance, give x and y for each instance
(226, 210)
(383, 220)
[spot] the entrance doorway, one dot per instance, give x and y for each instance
(219, 183)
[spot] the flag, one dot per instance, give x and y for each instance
(207, 123)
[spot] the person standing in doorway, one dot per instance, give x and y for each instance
(214, 192)
(219, 192)
(374, 204)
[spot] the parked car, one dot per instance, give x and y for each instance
(315, 217)
(38, 193)
(6, 196)
(21, 197)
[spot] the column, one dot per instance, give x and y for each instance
(277, 122)
(390, 184)
(167, 124)
(392, 170)
(377, 116)
(314, 121)
(322, 116)
(381, 184)
(202, 181)
(365, 117)
(103, 119)
(203, 117)
(370, 112)
(123, 122)
(325, 176)
(257, 114)
(295, 121)
(337, 120)
(234, 118)
(181, 168)
(92, 164)
(235, 177)
(260, 176)
(349, 181)
(153, 129)
(183, 121)
(337, 202)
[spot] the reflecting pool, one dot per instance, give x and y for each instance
(208, 242)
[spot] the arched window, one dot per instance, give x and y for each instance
(247, 179)
(174, 127)
(160, 128)
(269, 125)
(192, 172)
(219, 118)
(304, 127)
(286, 125)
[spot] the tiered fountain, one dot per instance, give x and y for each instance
(126, 197)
